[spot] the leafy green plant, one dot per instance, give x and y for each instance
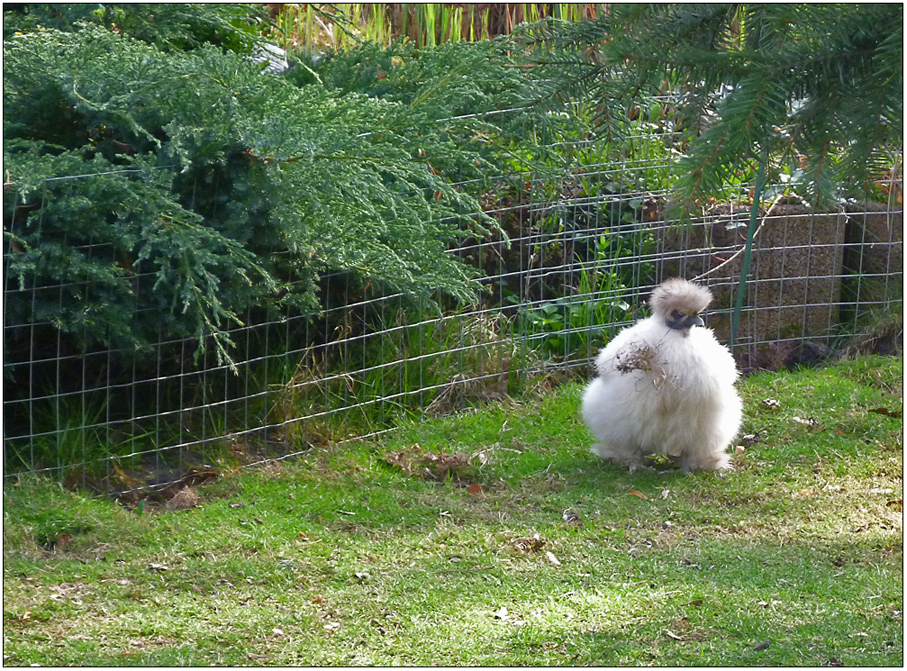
(578, 323)
(576, 326)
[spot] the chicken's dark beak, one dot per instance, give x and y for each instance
(685, 322)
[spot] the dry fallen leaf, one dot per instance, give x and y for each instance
(184, 499)
(533, 544)
(809, 421)
(570, 516)
(444, 466)
(26, 617)
(897, 414)
(124, 477)
(673, 635)
(61, 542)
(638, 494)
(475, 490)
(417, 461)
(771, 403)
(398, 459)
(550, 555)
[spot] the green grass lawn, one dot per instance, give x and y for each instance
(525, 550)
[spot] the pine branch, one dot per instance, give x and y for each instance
(762, 67)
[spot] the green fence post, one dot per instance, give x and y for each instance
(748, 251)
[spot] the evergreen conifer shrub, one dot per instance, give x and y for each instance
(150, 188)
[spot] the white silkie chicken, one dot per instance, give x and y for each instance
(666, 386)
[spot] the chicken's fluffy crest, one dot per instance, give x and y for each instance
(678, 294)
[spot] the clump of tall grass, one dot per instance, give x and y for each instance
(76, 442)
(411, 366)
(313, 27)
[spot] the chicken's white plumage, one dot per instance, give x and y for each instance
(665, 386)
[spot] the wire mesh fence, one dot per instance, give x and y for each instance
(577, 256)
